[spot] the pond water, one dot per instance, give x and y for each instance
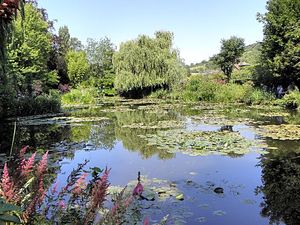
(203, 163)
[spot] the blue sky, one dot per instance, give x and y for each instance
(198, 25)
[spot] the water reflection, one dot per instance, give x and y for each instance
(281, 183)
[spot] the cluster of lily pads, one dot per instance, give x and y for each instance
(196, 143)
(164, 124)
(281, 132)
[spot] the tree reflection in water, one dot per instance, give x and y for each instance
(281, 183)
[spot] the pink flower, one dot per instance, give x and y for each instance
(28, 165)
(138, 190)
(23, 151)
(7, 186)
(99, 191)
(43, 164)
(80, 184)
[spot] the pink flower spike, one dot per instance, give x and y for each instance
(138, 190)
(7, 185)
(28, 165)
(80, 184)
(43, 164)
(23, 151)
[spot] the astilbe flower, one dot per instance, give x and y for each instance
(80, 184)
(99, 193)
(7, 186)
(23, 151)
(42, 167)
(27, 166)
(22, 157)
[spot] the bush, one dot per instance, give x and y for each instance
(42, 104)
(291, 100)
(203, 88)
(200, 88)
(80, 96)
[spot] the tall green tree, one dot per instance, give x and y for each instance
(147, 63)
(100, 55)
(29, 52)
(78, 67)
(231, 50)
(281, 44)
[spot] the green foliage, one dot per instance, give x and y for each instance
(44, 103)
(29, 52)
(252, 54)
(243, 75)
(80, 95)
(280, 47)
(78, 67)
(200, 88)
(147, 63)
(231, 50)
(9, 213)
(291, 100)
(203, 88)
(100, 54)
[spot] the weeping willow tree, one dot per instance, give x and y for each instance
(8, 11)
(146, 64)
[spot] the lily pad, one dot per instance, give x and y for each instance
(196, 143)
(281, 132)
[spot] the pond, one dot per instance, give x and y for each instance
(200, 163)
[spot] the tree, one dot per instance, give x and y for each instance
(29, 52)
(146, 64)
(78, 66)
(8, 9)
(280, 47)
(100, 54)
(231, 50)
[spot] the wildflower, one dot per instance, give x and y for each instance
(43, 164)
(99, 192)
(27, 165)
(7, 186)
(80, 184)
(23, 151)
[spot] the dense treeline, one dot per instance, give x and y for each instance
(38, 64)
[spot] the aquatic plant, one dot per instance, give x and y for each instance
(281, 132)
(196, 143)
